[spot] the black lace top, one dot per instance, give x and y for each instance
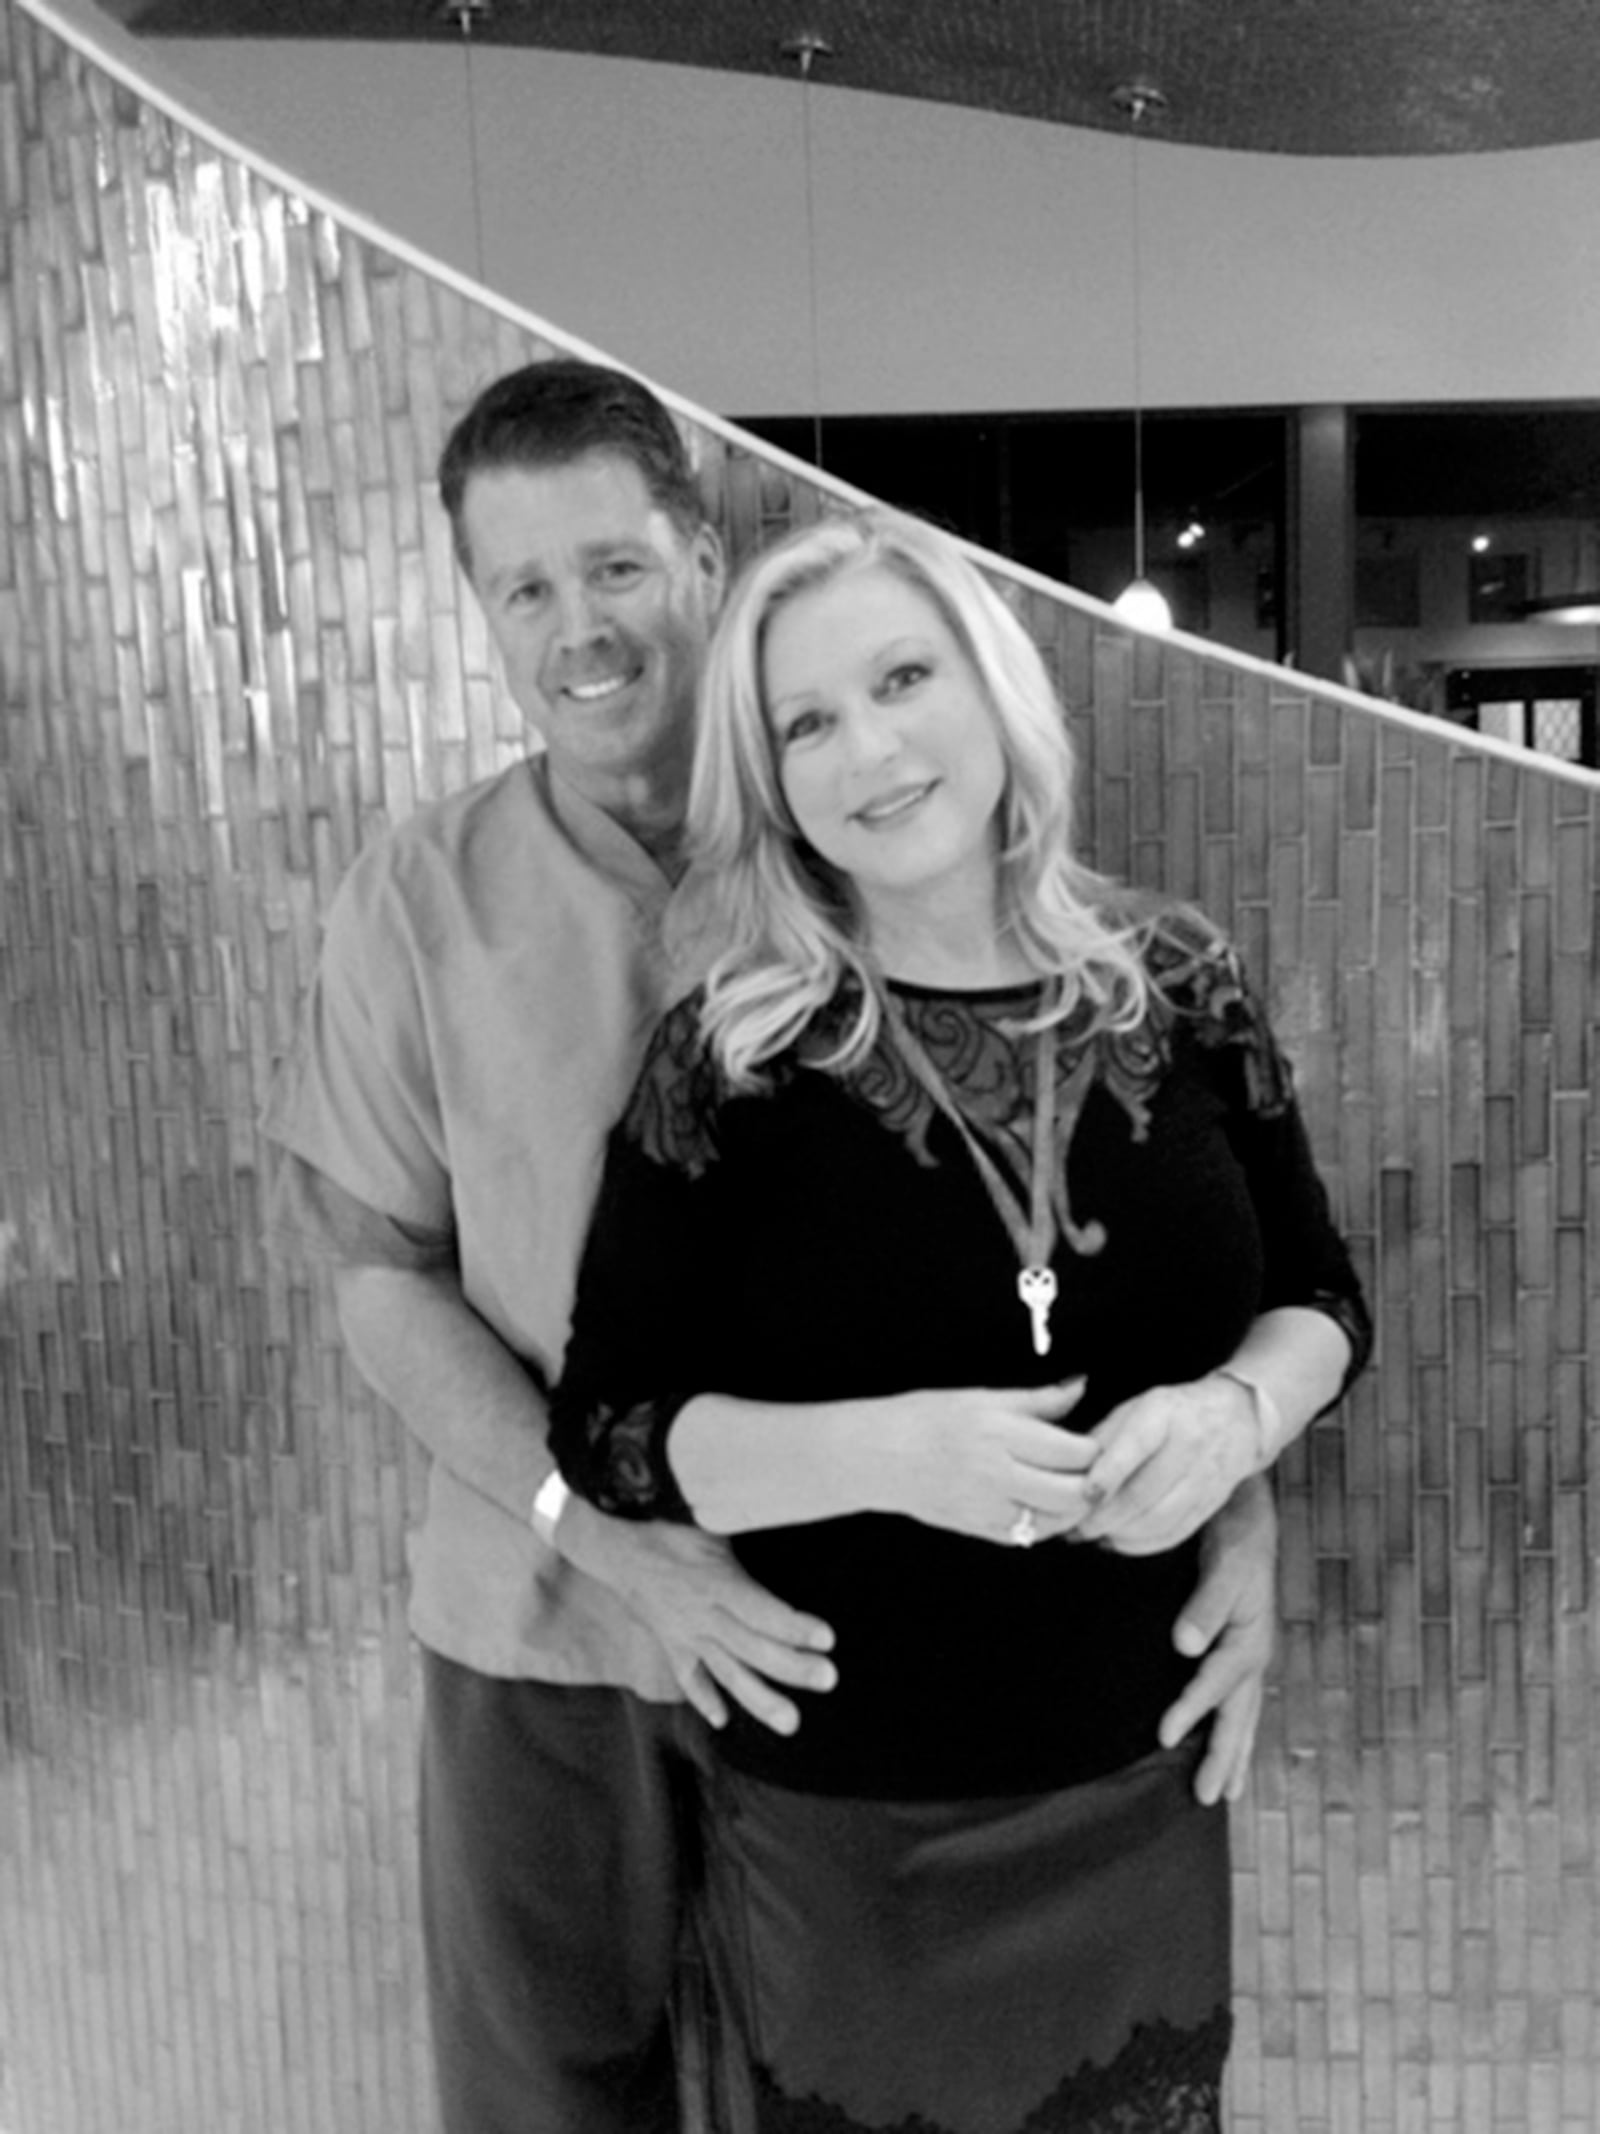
(829, 1237)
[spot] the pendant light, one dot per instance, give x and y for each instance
(468, 16)
(1581, 606)
(805, 48)
(1577, 608)
(1139, 602)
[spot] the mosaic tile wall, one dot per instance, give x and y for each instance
(231, 645)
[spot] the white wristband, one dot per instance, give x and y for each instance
(549, 1502)
(1270, 1433)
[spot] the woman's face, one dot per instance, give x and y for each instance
(887, 750)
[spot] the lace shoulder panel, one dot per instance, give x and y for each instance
(1200, 982)
(672, 1113)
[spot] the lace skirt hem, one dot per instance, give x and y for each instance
(1054, 1964)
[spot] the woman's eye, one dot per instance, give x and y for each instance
(905, 675)
(804, 726)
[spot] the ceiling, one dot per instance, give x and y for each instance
(1293, 77)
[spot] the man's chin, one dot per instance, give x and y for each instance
(635, 748)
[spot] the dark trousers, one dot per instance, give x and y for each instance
(559, 1833)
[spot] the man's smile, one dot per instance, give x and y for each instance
(603, 686)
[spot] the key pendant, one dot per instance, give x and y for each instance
(1036, 1286)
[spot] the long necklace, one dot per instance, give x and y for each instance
(1034, 1240)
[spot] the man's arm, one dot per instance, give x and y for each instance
(1229, 1624)
(478, 1411)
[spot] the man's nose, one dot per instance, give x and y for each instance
(580, 614)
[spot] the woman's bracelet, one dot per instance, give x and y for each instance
(1271, 1436)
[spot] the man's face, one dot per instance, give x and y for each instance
(600, 607)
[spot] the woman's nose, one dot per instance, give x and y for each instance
(870, 737)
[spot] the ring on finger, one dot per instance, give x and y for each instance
(1023, 1531)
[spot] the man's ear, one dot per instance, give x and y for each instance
(712, 565)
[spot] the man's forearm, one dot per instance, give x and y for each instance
(452, 1380)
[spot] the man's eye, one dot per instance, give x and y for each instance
(621, 571)
(526, 595)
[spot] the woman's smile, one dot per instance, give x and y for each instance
(893, 807)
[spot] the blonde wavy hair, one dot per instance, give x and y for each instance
(782, 923)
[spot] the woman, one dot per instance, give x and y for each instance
(959, 1254)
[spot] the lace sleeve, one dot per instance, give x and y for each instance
(1350, 1314)
(617, 1457)
(672, 1113)
(642, 1338)
(1201, 980)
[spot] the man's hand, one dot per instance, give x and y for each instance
(1231, 1618)
(723, 1635)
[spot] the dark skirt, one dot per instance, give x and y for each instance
(1051, 1964)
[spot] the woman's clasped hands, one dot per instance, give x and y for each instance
(990, 1462)
(1168, 1460)
(1003, 1465)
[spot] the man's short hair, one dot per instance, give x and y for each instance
(549, 414)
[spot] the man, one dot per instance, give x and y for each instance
(489, 976)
